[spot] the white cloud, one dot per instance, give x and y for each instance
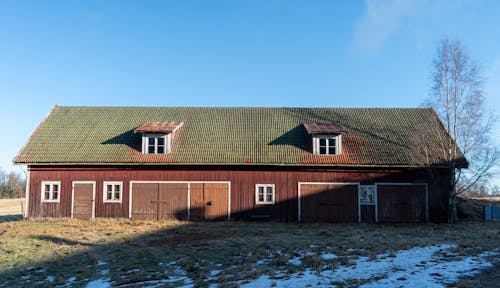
(384, 19)
(381, 20)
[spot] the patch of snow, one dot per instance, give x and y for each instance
(261, 262)
(25, 277)
(104, 272)
(328, 256)
(99, 283)
(50, 279)
(71, 280)
(215, 272)
(295, 261)
(417, 267)
(100, 263)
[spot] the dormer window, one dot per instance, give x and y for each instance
(156, 144)
(327, 145)
(326, 139)
(157, 136)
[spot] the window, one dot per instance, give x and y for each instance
(156, 144)
(264, 193)
(51, 191)
(112, 191)
(367, 196)
(327, 144)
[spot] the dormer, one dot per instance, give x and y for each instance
(325, 138)
(157, 136)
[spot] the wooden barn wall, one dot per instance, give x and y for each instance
(243, 180)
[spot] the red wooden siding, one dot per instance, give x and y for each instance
(242, 179)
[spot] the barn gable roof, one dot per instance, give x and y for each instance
(268, 136)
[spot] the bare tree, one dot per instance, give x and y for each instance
(12, 185)
(457, 98)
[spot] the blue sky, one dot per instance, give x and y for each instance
(229, 53)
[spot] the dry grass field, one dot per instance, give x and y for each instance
(71, 253)
(101, 253)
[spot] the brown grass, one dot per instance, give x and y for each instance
(139, 251)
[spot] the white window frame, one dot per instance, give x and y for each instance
(338, 144)
(51, 191)
(105, 191)
(145, 143)
(265, 186)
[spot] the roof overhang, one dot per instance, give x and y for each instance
(324, 128)
(159, 127)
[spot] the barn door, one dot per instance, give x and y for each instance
(209, 201)
(159, 201)
(402, 202)
(83, 200)
(328, 202)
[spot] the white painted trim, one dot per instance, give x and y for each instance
(299, 214)
(229, 201)
(359, 202)
(376, 203)
(338, 143)
(265, 202)
(189, 202)
(73, 195)
(27, 195)
(406, 184)
(131, 182)
(104, 191)
(43, 183)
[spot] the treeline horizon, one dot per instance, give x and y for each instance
(12, 184)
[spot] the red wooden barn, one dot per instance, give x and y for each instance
(287, 164)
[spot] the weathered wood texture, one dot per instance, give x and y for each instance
(83, 200)
(242, 178)
(401, 203)
(329, 202)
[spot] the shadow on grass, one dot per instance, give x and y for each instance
(10, 218)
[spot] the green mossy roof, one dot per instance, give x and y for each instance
(105, 135)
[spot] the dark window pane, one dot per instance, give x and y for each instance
(47, 195)
(160, 150)
(322, 142)
(322, 150)
(161, 141)
(331, 151)
(117, 195)
(109, 195)
(151, 141)
(331, 142)
(109, 188)
(47, 188)
(55, 188)
(117, 188)
(151, 149)
(54, 196)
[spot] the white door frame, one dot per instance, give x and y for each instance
(188, 194)
(73, 195)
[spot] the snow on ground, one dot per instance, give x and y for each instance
(430, 266)
(328, 256)
(99, 283)
(417, 267)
